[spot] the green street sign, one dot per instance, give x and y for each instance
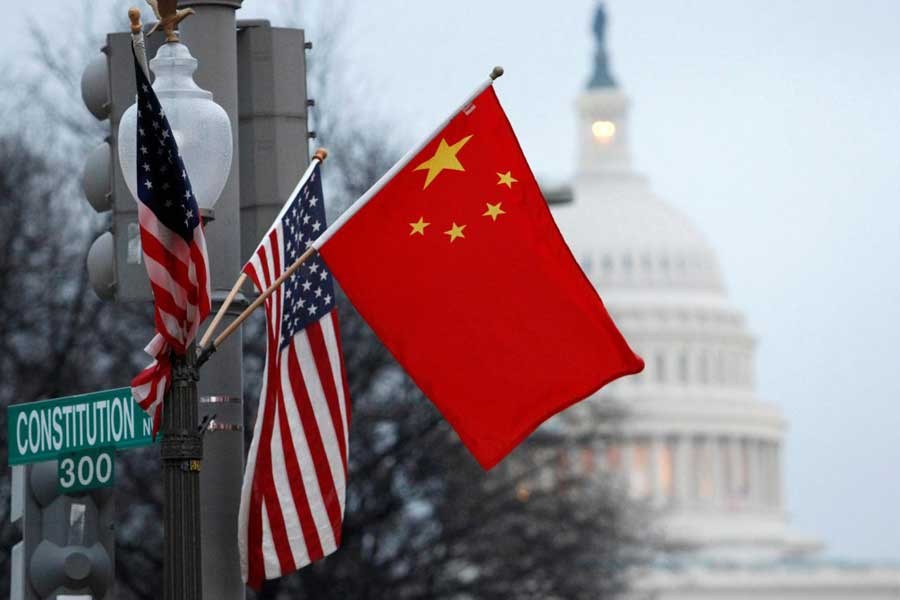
(47, 429)
(87, 470)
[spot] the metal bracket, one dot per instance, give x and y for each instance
(184, 373)
(238, 303)
(225, 427)
(205, 425)
(180, 446)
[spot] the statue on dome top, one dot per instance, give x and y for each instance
(602, 77)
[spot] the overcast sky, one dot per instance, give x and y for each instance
(773, 125)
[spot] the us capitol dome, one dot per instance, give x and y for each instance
(697, 444)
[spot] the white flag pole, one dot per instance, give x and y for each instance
(137, 39)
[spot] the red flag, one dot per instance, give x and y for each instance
(456, 263)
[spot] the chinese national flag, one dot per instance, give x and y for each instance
(458, 266)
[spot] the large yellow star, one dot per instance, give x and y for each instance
(506, 179)
(419, 227)
(444, 158)
(455, 232)
(493, 211)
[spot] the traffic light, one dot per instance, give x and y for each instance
(68, 541)
(273, 134)
(114, 261)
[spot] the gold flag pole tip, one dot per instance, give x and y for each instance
(496, 73)
(321, 154)
(134, 15)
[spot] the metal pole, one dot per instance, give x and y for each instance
(181, 452)
(211, 36)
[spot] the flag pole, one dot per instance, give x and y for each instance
(137, 39)
(207, 351)
(496, 72)
(225, 304)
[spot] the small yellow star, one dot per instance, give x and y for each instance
(444, 158)
(493, 211)
(419, 227)
(455, 232)
(506, 179)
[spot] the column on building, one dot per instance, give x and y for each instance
(657, 449)
(641, 472)
(737, 471)
(755, 493)
(772, 475)
(627, 445)
(777, 493)
(714, 448)
(683, 470)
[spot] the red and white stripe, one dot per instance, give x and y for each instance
(292, 501)
(179, 279)
(178, 276)
(150, 385)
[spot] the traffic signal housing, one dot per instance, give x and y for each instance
(274, 126)
(68, 541)
(115, 263)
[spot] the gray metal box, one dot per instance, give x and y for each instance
(274, 147)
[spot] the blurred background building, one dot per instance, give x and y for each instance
(697, 444)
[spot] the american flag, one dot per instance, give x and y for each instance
(292, 501)
(173, 245)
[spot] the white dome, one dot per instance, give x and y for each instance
(624, 236)
(620, 232)
(696, 441)
(688, 437)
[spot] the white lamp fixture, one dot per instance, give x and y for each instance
(201, 127)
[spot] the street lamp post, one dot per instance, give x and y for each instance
(267, 65)
(203, 133)
(212, 36)
(181, 452)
